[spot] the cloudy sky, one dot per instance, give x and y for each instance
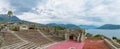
(89, 12)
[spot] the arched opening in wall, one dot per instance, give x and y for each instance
(72, 37)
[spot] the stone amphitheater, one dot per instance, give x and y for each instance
(27, 39)
(45, 37)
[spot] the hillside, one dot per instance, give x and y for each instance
(4, 18)
(109, 26)
(88, 26)
(61, 25)
(70, 25)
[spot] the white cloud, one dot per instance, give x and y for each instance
(109, 12)
(5, 6)
(28, 16)
(73, 11)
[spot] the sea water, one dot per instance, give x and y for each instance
(106, 32)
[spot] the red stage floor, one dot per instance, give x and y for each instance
(67, 45)
(95, 44)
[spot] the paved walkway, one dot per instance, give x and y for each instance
(68, 45)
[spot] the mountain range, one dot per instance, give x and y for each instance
(61, 25)
(71, 25)
(109, 26)
(4, 18)
(88, 26)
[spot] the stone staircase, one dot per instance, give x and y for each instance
(22, 45)
(26, 40)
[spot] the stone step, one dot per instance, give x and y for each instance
(38, 48)
(33, 46)
(28, 46)
(18, 46)
(13, 45)
(22, 45)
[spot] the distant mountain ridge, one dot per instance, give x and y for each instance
(61, 25)
(109, 26)
(71, 25)
(88, 26)
(5, 18)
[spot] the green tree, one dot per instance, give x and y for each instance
(10, 14)
(59, 28)
(97, 35)
(114, 38)
(14, 29)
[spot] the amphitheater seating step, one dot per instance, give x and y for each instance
(21, 45)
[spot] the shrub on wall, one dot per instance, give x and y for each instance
(114, 38)
(14, 29)
(59, 28)
(118, 40)
(97, 36)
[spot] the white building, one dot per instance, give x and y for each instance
(23, 27)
